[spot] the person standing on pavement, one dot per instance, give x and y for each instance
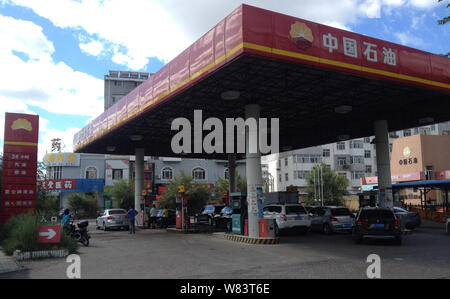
(165, 217)
(131, 218)
(153, 215)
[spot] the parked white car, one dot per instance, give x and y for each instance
(113, 218)
(447, 226)
(288, 216)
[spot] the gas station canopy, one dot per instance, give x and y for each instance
(324, 84)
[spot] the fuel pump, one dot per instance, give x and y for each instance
(239, 206)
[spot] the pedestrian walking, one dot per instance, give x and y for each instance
(153, 215)
(131, 218)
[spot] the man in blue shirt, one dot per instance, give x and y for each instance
(131, 217)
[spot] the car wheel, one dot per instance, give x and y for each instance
(327, 229)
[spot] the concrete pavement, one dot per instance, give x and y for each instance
(159, 254)
(8, 264)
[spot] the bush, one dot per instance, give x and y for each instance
(20, 233)
(83, 206)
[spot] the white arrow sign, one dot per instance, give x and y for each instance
(50, 234)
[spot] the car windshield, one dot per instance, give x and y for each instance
(341, 212)
(373, 215)
(208, 209)
(117, 212)
(227, 210)
(295, 210)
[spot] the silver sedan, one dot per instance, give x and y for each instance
(110, 218)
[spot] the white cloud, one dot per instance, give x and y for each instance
(93, 48)
(40, 81)
(409, 39)
(371, 8)
(49, 134)
(148, 28)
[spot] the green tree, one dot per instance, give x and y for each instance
(123, 191)
(198, 193)
(169, 196)
(198, 197)
(83, 206)
(444, 21)
(223, 186)
(334, 186)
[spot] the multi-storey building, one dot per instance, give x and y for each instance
(353, 159)
(120, 83)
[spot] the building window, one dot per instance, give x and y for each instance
(166, 173)
(416, 131)
(286, 176)
(356, 144)
(285, 161)
(368, 168)
(226, 174)
(91, 172)
(367, 154)
(55, 172)
(342, 161)
(118, 83)
(356, 175)
(406, 133)
(390, 147)
(312, 159)
(367, 139)
(326, 152)
(117, 174)
(300, 174)
(199, 174)
(280, 178)
(356, 160)
(340, 146)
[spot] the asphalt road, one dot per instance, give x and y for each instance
(159, 254)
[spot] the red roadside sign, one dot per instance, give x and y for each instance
(49, 234)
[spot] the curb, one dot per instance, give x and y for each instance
(31, 255)
(255, 241)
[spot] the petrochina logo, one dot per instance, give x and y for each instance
(301, 36)
(21, 123)
(406, 152)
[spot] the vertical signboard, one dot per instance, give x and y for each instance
(19, 165)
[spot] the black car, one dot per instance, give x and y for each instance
(171, 221)
(377, 223)
(208, 214)
(223, 219)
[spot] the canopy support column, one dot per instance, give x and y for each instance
(385, 197)
(253, 169)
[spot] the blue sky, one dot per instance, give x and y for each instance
(54, 53)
